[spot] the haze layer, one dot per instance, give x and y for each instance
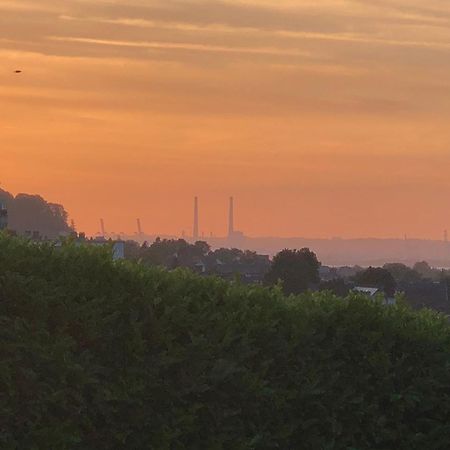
(321, 117)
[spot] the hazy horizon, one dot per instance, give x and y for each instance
(130, 228)
(322, 118)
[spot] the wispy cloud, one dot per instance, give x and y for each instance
(326, 35)
(29, 6)
(182, 46)
(298, 96)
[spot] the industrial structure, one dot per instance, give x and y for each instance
(235, 237)
(231, 218)
(232, 234)
(139, 227)
(195, 233)
(102, 227)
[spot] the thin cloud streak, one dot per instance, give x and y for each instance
(181, 46)
(28, 7)
(218, 28)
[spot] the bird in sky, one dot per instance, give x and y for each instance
(17, 71)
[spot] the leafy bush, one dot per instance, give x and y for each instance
(103, 355)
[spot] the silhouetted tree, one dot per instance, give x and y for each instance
(297, 269)
(402, 273)
(201, 248)
(424, 269)
(338, 286)
(133, 250)
(379, 278)
(33, 213)
(172, 253)
(227, 255)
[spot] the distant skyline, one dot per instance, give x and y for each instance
(322, 118)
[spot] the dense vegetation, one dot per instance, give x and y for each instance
(30, 213)
(103, 355)
(377, 277)
(296, 269)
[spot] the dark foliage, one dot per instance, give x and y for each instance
(226, 263)
(338, 286)
(296, 269)
(169, 253)
(427, 294)
(402, 273)
(103, 355)
(379, 278)
(29, 213)
(424, 269)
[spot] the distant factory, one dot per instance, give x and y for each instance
(233, 236)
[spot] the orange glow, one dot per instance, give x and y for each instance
(321, 118)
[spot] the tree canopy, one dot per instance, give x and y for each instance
(169, 253)
(379, 278)
(33, 213)
(296, 269)
(424, 269)
(402, 273)
(97, 354)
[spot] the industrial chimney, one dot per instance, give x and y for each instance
(195, 233)
(231, 218)
(102, 227)
(139, 227)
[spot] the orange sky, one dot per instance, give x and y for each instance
(323, 118)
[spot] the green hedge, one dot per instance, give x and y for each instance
(103, 355)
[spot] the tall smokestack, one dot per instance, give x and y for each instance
(139, 227)
(231, 218)
(195, 233)
(102, 227)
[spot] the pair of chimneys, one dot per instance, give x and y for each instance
(230, 219)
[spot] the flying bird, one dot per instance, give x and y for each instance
(17, 71)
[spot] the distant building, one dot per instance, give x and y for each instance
(369, 291)
(119, 250)
(236, 238)
(118, 246)
(373, 293)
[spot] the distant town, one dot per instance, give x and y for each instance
(417, 269)
(334, 251)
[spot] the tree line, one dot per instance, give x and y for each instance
(103, 354)
(296, 271)
(32, 213)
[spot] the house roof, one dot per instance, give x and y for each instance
(367, 290)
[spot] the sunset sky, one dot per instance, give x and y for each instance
(322, 117)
